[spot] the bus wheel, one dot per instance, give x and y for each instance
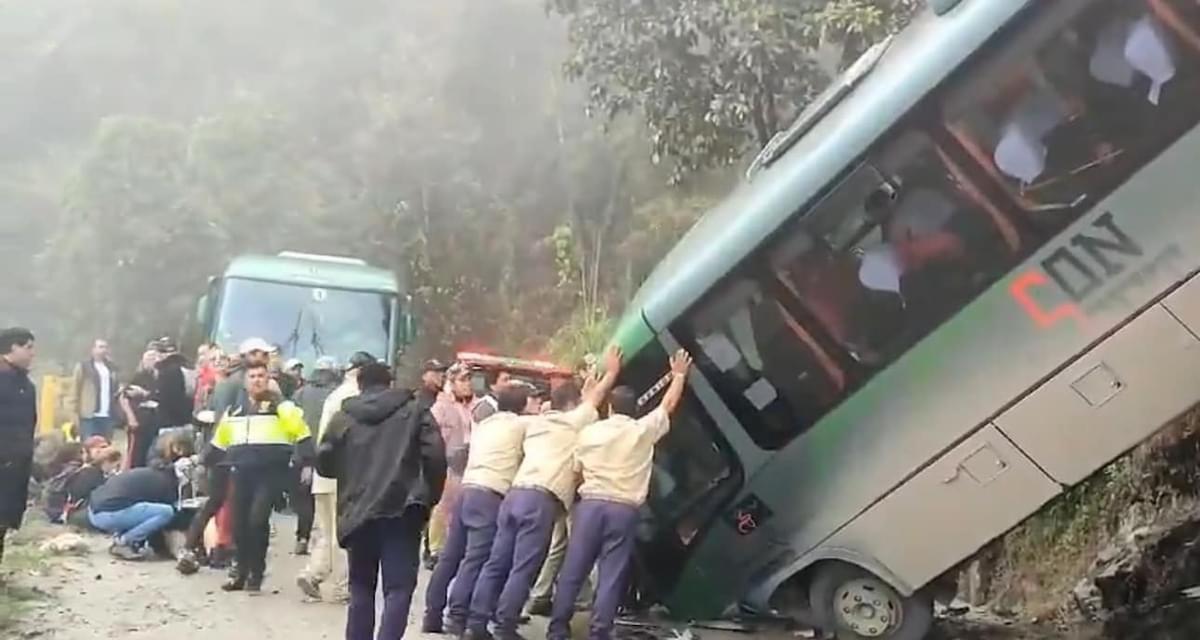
(856, 605)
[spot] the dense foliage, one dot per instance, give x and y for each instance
(145, 142)
(715, 80)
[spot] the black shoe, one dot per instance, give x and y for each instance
(432, 625)
(254, 584)
(540, 608)
(235, 583)
(477, 634)
(455, 629)
(301, 547)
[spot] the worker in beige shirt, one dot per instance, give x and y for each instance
(328, 559)
(543, 490)
(615, 457)
(493, 459)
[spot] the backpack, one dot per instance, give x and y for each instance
(54, 494)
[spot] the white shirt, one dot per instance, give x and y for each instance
(104, 405)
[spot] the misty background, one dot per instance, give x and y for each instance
(524, 163)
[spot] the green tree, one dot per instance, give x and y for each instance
(714, 80)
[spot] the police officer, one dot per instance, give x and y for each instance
(259, 439)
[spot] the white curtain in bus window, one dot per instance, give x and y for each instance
(1021, 152)
(880, 269)
(1108, 63)
(1149, 51)
(761, 394)
(723, 354)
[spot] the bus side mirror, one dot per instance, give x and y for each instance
(202, 309)
(410, 329)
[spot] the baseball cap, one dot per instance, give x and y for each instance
(325, 363)
(293, 363)
(166, 346)
(254, 344)
(434, 365)
(360, 359)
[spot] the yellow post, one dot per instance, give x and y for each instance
(51, 391)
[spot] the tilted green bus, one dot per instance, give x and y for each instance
(960, 283)
(309, 306)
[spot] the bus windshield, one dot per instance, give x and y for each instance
(305, 322)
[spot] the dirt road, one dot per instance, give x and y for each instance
(95, 597)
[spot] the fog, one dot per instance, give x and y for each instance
(143, 143)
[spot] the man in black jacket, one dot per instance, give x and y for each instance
(390, 463)
(18, 420)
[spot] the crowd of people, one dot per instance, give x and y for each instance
(527, 501)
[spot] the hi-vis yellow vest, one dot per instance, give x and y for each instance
(265, 435)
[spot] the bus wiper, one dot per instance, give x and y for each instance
(293, 340)
(315, 341)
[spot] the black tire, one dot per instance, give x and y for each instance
(915, 613)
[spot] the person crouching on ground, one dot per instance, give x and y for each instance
(136, 504)
(390, 464)
(259, 439)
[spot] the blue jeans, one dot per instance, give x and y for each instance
(133, 525)
(98, 426)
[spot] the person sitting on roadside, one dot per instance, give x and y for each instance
(78, 489)
(136, 504)
(68, 461)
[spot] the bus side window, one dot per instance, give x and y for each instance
(762, 359)
(1079, 99)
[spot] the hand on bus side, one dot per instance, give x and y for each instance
(612, 359)
(681, 363)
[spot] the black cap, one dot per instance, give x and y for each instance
(166, 346)
(434, 365)
(361, 359)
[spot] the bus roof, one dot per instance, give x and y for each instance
(917, 61)
(313, 272)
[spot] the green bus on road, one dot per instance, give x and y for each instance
(960, 283)
(309, 306)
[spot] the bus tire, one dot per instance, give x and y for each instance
(854, 604)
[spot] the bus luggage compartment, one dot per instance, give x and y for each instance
(1111, 398)
(949, 510)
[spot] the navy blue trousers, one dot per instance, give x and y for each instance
(392, 547)
(468, 545)
(524, 530)
(602, 534)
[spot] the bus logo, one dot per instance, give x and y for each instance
(749, 515)
(1077, 269)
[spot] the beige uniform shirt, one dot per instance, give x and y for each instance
(550, 441)
(495, 452)
(348, 389)
(616, 456)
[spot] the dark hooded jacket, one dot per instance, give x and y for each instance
(387, 455)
